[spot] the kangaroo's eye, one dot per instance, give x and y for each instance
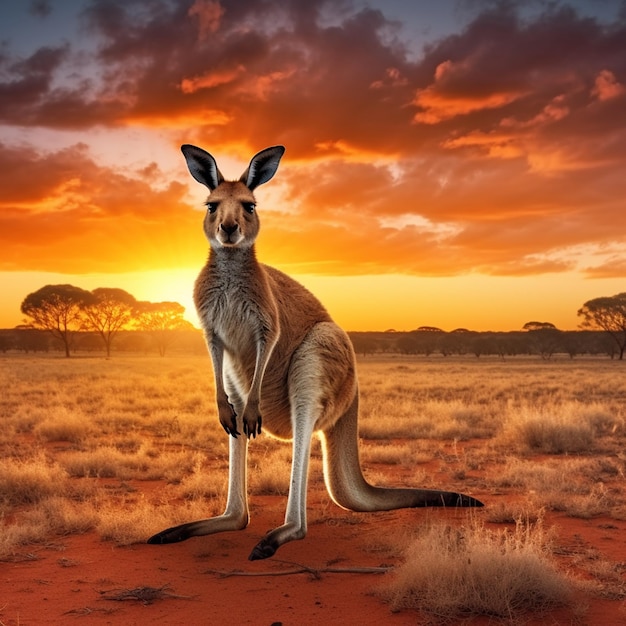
(211, 206)
(248, 207)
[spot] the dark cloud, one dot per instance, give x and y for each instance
(29, 82)
(273, 71)
(40, 8)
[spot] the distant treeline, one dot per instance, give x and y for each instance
(80, 320)
(543, 342)
(32, 340)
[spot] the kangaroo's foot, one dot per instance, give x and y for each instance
(172, 535)
(276, 538)
(263, 550)
(202, 527)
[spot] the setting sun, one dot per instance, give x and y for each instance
(455, 166)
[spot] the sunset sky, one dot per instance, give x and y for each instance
(459, 163)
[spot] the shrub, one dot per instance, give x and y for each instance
(454, 572)
(141, 518)
(62, 425)
(31, 480)
(552, 432)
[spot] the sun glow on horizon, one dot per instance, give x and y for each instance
(174, 285)
(363, 303)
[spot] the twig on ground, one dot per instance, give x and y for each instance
(315, 572)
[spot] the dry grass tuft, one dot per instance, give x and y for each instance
(559, 428)
(391, 454)
(271, 477)
(54, 516)
(64, 425)
(144, 463)
(28, 481)
(103, 462)
(458, 572)
(141, 519)
(569, 486)
(512, 513)
(201, 483)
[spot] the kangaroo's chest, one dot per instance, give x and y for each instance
(233, 317)
(235, 310)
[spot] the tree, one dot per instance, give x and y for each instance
(161, 320)
(545, 338)
(6, 341)
(609, 314)
(538, 326)
(109, 312)
(428, 339)
(363, 343)
(57, 309)
(30, 339)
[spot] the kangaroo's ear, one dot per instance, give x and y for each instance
(202, 166)
(262, 167)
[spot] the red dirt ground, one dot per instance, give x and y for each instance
(71, 579)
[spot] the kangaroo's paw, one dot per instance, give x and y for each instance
(252, 427)
(228, 419)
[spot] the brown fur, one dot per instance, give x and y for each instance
(281, 365)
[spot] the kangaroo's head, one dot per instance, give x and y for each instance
(231, 219)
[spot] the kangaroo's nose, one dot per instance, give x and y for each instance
(229, 229)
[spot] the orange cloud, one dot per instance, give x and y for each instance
(183, 120)
(440, 107)
(351, 153)
(615, 268)
(607, 87)
(442, 101)
(211, 79)
(262, 87)
(496, 143)
(81, 217)
(496, 150)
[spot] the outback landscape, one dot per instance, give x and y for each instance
(452, 189)
(98, 454)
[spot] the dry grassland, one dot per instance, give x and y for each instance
(127, 446)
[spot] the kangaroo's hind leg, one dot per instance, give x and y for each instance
(295, 526)
(321, 383)
(236, 515)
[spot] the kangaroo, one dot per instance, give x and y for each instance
(281, 364)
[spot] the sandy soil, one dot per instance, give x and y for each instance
(73, 580)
